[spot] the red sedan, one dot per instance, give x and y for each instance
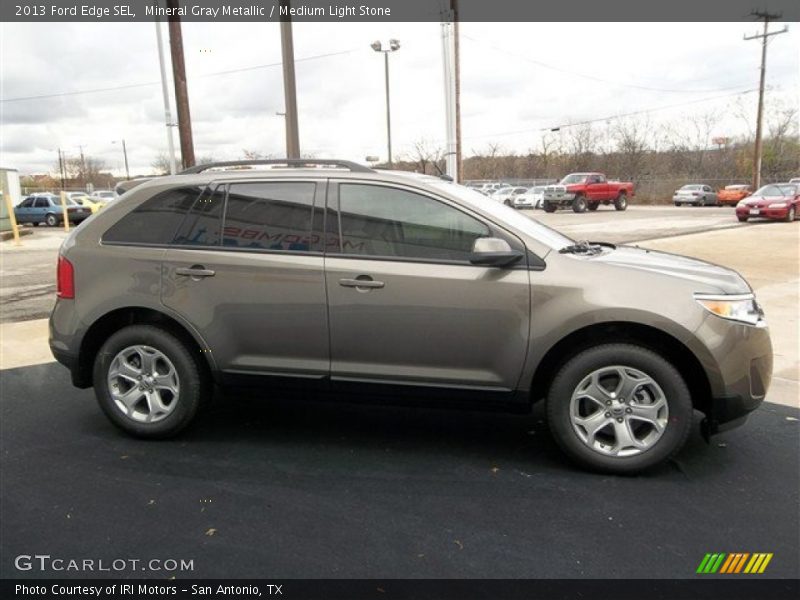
(779, 201)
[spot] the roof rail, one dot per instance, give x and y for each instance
(289, 162)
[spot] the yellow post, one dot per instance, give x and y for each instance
(13, 218)
(64, 209)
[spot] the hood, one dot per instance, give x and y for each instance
(761, 201)
(723, 279)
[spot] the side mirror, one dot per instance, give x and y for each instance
(493, 252)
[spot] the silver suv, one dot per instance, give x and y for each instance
(340, 278)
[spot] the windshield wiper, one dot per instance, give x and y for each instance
(583, 247)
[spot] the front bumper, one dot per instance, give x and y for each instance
(763, 213)
(738, 363)
(557, 197)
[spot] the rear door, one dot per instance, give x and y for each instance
(406, 306)
(246, 270)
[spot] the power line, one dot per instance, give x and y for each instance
(149, 83)
(594, 77)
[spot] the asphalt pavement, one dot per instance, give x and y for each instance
(292, 488)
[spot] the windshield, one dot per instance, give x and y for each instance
(546, 235)
(574, 178)
(775, 191)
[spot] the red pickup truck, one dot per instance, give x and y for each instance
(587, 190)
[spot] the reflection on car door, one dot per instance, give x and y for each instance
(254, 286)
(406, 305)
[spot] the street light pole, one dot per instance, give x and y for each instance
(125, 155)
(378, 47)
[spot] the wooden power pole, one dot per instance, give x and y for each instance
(181, 90)
(289, 87)
(766, 17)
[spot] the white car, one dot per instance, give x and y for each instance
(506, 195)
(532, 198)
(794, 180)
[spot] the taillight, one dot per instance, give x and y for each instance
(65, 279)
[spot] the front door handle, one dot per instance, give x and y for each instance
(195, 272)
(362, 281)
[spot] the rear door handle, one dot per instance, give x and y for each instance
(361, 283)
(195, 272)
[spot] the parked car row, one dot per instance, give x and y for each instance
(46, 207)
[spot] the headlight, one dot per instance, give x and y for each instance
(738, 307)
(778, 205)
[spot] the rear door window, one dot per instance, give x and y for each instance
(203, 223)
(275, 216)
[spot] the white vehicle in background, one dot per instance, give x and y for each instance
(794, 180)
(103, 196)
(506, 195)
(487, 189)
(532, 198)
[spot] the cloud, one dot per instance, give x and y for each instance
(516, 79)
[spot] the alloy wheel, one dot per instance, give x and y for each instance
(143, 383)
(619, 411)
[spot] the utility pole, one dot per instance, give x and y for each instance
(457, 75)
(766, 17)
(181, 90)
(83, 167)
(289, 87)
(61, 168)
(165, 92)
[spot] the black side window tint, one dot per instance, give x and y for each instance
(155, 220)
(27, 203)
(203, 224)
(41, 203)
(271, 216)
(384, 221)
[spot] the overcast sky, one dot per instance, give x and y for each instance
(516, 80)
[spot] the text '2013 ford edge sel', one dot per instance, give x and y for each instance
(346, 279)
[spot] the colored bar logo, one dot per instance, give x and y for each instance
(735, 562)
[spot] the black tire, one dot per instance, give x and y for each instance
(195, 384)
(678, 204)
(549, 207)
(678, 398)
(593, 205)
(742, 219)
(36, 223)
(507, 203)
(621, 203)
(51, 220)
(579, 204)
(790, 214)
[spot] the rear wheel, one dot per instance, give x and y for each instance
(621, 203)
(593, 205)
(51, 220)
(549, 207)
(742, 219)
(579, 204)
(36, 223)
(148, 382)
(619, 408)
(790, 215)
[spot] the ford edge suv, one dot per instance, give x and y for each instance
(331, 276)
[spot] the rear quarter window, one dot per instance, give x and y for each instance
(156, 220)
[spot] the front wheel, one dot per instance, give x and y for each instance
(619, 408)
(742, 219)
(790, 215)
(148, 382)
(621, 203)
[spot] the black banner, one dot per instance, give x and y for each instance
(734, 588)
(397, 10)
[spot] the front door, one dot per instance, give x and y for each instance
(253, 284)
(406, 306)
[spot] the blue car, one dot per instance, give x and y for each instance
(46, 208)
